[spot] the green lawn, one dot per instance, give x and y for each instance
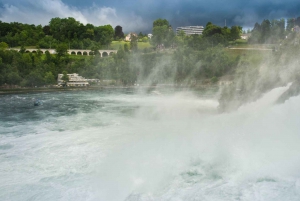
(116, 44)
(240, 43)
(243, 52)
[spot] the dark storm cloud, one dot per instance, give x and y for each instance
(138, 15)
(199, 12)
(1, 8)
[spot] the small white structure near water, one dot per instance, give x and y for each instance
(75, 80)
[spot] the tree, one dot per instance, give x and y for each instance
(126, 47)
(118, 33)
(161, 31)
(61, 50)
(13, 78)
(34, 79)
(141, 35)
(226, 33)
(3, 46)
(104, 34)
(145, 39)
(217, 39)
(5, 28)
(22, 49)
(65, 78)
(47, 42)
(133, 42)
(255, 37)
(95, 48)
(211, 29)
(64, 29)
(265, 30)
(89, 33)
(277, 30)
(269, 31)
(161, 22)
(235, 32)
(23, 36)
(55, 27)
(181, 34)
(46, 30)
(257, 27)
(49, 78)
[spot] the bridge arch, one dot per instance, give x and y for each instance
(104, 54)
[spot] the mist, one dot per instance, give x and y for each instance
(176, 147)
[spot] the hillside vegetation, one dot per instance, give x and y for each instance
(180, 59)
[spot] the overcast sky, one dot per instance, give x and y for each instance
(138, 15)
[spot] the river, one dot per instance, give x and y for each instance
(126, 145)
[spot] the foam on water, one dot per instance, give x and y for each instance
(126, 146)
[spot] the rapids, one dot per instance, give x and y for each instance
(120, 145)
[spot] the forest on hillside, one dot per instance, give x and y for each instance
(189, 59)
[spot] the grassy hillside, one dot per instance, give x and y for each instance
(141, 45)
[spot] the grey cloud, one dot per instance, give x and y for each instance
(138, 15)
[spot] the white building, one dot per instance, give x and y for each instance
(190, 30)
(150, 35)
(245, 36)
(128, 37)
(74, 80)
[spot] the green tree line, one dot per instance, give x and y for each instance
(194, 57)
(273, 31)
(59, 30)
(188, 60)
(182, 67)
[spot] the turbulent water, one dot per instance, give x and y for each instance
(112, 145)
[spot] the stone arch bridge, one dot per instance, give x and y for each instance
(103, 53)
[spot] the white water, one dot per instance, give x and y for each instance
(167, 147)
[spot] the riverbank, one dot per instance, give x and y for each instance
(62, 89)
(43, 89)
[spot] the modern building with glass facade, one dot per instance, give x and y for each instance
(190, 30)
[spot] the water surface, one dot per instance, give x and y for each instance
(162, 145)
